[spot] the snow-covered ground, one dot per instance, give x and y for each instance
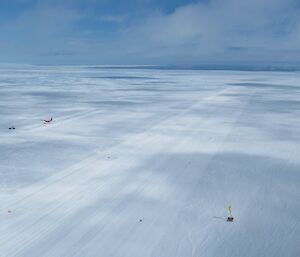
(144, 162)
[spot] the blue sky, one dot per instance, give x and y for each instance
(149, 31)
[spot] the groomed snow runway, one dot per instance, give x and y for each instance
(144, 162)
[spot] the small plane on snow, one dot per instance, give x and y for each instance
(47, 121)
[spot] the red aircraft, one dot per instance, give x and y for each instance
(47, 121)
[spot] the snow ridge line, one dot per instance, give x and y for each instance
(59, 176)
(89, 159)
(116, 206)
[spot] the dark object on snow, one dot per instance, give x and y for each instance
(141, 220)
(47, 121)
(12, 127)
(230, 219)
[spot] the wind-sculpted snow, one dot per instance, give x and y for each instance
(144, 162)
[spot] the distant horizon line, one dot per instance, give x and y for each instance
(239, 66)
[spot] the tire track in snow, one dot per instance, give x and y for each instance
(166, 121)
(118, 225)
(60, 176)
(83, 165)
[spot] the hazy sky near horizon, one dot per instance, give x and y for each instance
(149, 31)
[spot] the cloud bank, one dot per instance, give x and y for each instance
(188, 32)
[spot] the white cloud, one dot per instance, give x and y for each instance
(219, 27)
(218, 30)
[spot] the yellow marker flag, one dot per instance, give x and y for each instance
(229, 210)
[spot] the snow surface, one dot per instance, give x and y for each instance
(144, 162)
